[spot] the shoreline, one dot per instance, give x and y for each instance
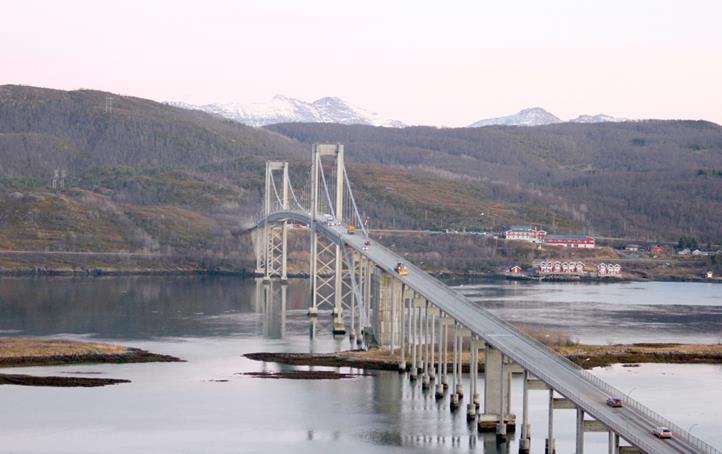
(245, 274)
(599, 280)
(45, 271)
(585, 356)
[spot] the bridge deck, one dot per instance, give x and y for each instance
(632, 422)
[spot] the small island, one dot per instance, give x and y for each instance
(27, 352)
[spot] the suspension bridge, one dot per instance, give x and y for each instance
(429, 326)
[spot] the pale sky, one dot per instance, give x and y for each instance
(438, 63)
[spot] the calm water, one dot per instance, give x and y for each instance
(609, 313)
(211, 322)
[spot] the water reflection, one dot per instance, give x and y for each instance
(211, 322)
(608, 313)
(271, 301)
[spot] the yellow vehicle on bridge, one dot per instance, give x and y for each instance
(350, 229)
(401, 269)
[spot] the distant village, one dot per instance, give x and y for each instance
(571, 270)
(534, 234)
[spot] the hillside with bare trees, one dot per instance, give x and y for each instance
(648, 179)
(138, 176)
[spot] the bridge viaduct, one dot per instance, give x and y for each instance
(430, 327)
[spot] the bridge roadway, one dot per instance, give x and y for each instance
(578, 386)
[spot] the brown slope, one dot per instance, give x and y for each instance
(76, 128)
(652, 180)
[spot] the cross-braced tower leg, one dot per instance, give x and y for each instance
(275, 257)
(274, 241)
(258, 239)
(323, 277)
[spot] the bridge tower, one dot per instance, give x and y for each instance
(326, 267)
(273, 259)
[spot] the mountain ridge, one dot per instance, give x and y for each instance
(283, 109)
(532, 116)
(537, 116)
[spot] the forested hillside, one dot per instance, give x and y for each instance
(140, 175)
(649, 180)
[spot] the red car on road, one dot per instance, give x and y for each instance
(662, 432)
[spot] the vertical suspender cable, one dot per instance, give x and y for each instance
(328, 197)
(353, 202)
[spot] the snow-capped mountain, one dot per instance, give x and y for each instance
(282, 109)
(535, 116)
(599, 118)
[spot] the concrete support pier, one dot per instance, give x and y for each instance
(426, 377)
(413, 338)
(455, 398)
(384, 312)
(433, 312)
(459, 389)
(525, 439)
(471, 408)
(440, 366)
(550, 447)
(613, 443)
(580, 431)
(444, 342)
(503, 404)
(497, 385)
